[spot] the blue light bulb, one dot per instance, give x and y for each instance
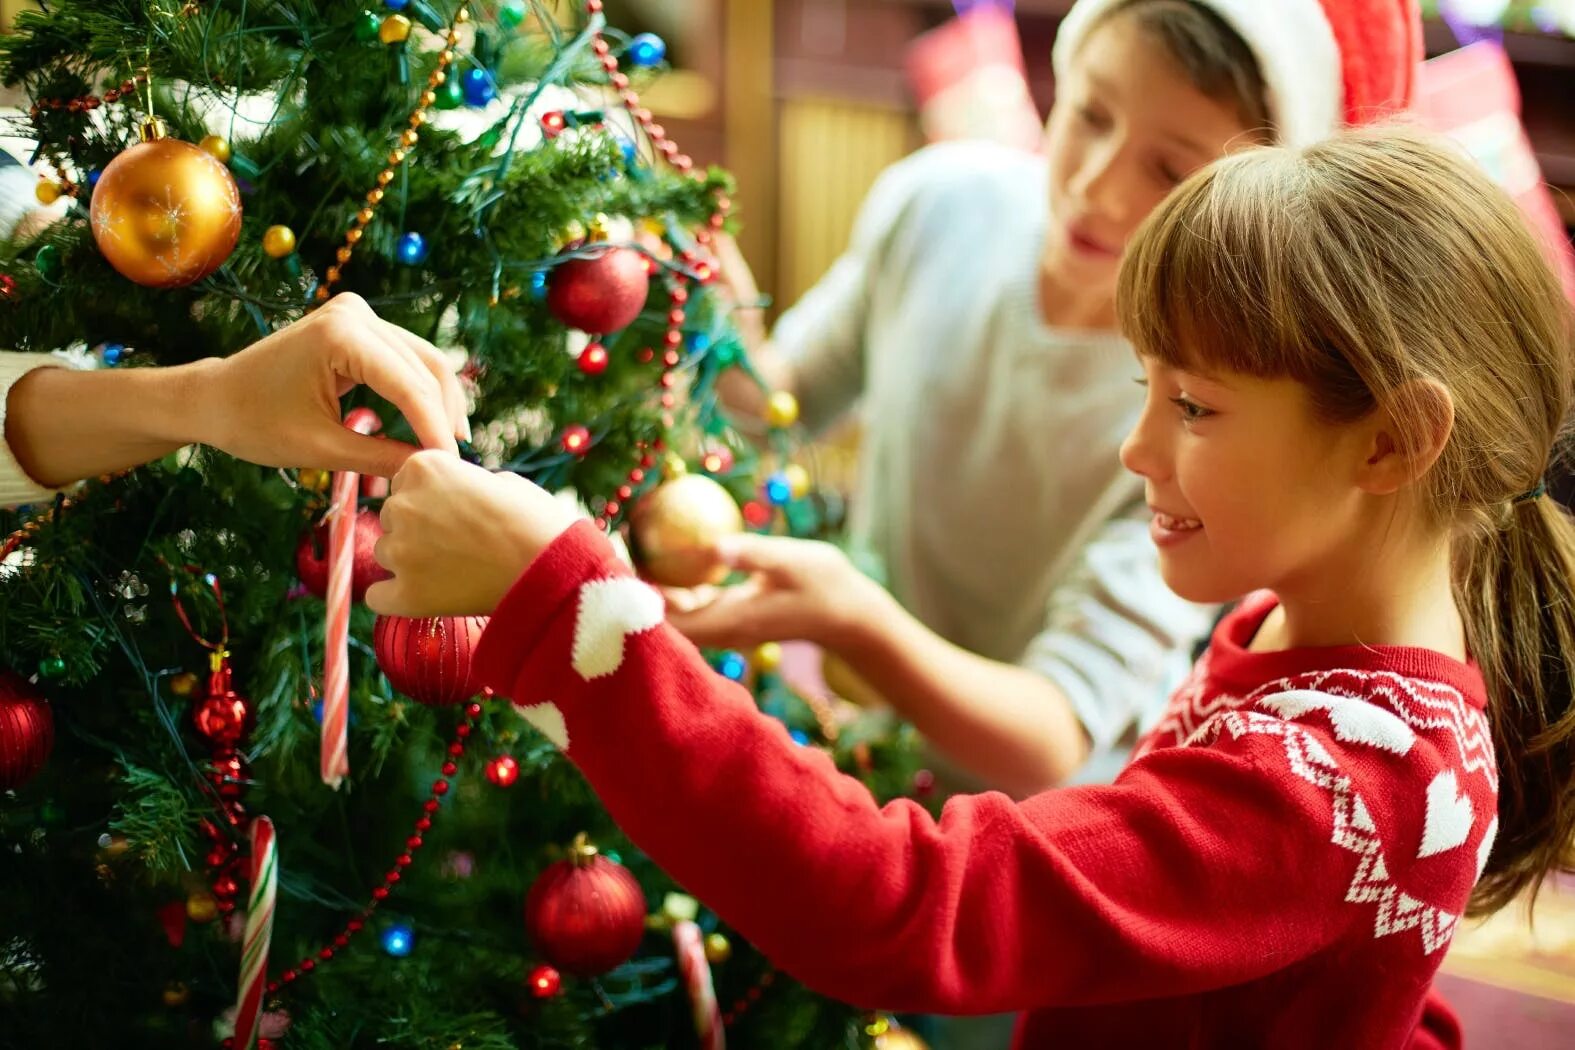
(779, 490)
(479, 89)
(114, 353)
(398, 940)
(538, 284)
(411, 249)
(396, 5)
(732, 665)
(799, 737)
(646, 50)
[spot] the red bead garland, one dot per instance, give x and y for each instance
(412, 844)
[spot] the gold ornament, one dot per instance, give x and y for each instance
(717, 950)
(184, 684)
(781, 409)
(676, 528)
(768, 657)
(201, 907)
(394, 30)
(47, 192)
(176, 993)
(278, 241)
(797, 479)
(165, 213)
(312, 479)
(895, 1038)
(217, 147)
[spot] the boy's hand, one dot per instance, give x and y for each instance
(277, 402)
(798, 589)
(456, 537)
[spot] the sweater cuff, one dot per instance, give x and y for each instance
(542, 598)
(16, 487)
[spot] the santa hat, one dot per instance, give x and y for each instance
(1324, 62)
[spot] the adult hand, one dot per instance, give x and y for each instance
(277, 402)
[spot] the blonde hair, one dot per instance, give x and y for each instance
(1357, 267)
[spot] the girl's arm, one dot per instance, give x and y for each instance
(1169, 882)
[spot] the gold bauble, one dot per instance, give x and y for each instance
(846, 683)
(176, 993)
(47, 192)
(895, 1038)
(781, 409)
(394, 30)
(278, 241)
(676, 528)
(311, 478)
(217, 147)
(201, 907)
(166, 213)
(768, 657)
(797, 478)
(717, 949)
(184, 684)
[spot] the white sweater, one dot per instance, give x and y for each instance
(990, 487)
(16, 488)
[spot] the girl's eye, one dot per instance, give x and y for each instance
(1191, 411)
(1092, 117)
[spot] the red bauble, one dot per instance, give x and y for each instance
(503, 770)
(601, 292)
(27, 731)
(430, 660)
(221, 718)
(311, 557)
(585, 915)
(544, 982)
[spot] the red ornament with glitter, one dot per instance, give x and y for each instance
(311, 557)
(601, 292)
(585, 915)
(27, 731)
(430, 660)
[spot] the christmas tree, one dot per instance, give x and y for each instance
(484, 175)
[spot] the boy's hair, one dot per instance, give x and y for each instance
(1213, 56)
(1358, 267)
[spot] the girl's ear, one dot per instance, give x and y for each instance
(1406, 438)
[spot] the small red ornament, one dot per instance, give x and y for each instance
(593, 359)
(27, 731)
(222, 715)
(503, 770)
(544, 982)
(601, 292)
(757, 514)
(429, 660)
(7, 286)
(229, 775)
(586, 915)
(575, 439)
(311, 557)
(553, 123)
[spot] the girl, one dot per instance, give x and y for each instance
(973, 315)
(1357, 363)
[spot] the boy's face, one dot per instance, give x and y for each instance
(1249, 489)
(1126, 128)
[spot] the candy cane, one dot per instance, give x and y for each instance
(695, 972)
(259, 931)
(335, 759)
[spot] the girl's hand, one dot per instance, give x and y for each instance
(457, 537)
(276, 403)
(798, 589)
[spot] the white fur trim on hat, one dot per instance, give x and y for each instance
(1294, 46)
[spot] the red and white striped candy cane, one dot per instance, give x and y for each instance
(259, 932)
(336, 655)
(694, 970)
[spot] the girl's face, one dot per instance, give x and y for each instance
(1126, 128)
(1249, 489)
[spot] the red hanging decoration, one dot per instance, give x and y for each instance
(585, 915)
(601, 292)
(544, 982)
(311, 557)
(429, 660)
(223, 715)
(27, 731)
